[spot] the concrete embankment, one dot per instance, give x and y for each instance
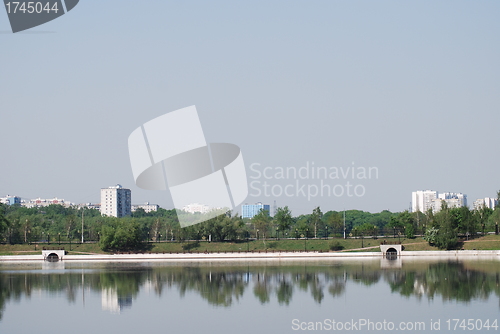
(254, 256)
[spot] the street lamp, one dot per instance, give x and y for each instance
(277, 231)
(248, 244)
(327, 232)
(59, 234)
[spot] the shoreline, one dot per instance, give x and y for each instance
(251, 256)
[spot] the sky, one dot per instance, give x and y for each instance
(406, 89)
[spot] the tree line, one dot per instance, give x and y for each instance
(56, 223)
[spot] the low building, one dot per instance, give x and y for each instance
(147, 207)
(41, 202)
(196, 208)
(10, 200)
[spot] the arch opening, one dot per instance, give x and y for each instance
(391, 254)
(52, 257)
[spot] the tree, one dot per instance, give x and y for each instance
(408, 222)
(262, 221)
(316, 217)
(446, 236)
(283, 218)
(121, 236)
(334, 221)
(4, 223)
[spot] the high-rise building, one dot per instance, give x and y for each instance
(430, 199)
(250, 210)
(487, 202)
(421, 200)
(116, 201)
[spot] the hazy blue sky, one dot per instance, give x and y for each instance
(409, 87)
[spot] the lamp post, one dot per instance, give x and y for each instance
(327, 232)
(59, 235)
(248, 243)
(277, 231)
(362, 244)
(257, 234)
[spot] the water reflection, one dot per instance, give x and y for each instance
(224, 285)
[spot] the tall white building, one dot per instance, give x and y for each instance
(430, 199)
(421, 200)
(487, 202)
(116, 201)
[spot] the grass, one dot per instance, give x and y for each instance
(489, 242)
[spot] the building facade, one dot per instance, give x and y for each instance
(116, 201)
(147, 207)
(421, 200)
(41, 202)
(250, 210)
(10, 200)
(424, 200)
(486, 202)
(196, 208)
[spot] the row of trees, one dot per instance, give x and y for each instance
(56, 223)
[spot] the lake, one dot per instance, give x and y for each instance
(265, 296)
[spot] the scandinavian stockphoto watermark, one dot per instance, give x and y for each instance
(170, 152)
(24, 15)
(310, 181)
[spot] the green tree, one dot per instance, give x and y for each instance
(283, 219)
(121, 235)
(262, 222)
(446, 236)
(316, 217)
(4, 223)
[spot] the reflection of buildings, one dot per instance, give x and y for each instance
(112, 302)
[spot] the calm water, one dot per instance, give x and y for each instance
(363, 296)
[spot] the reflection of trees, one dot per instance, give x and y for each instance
(223, 286)
(451, 280)
(217, 287)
